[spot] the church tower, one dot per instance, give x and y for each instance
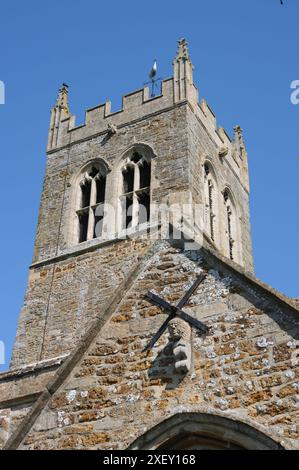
(155, 152)
(108, 271)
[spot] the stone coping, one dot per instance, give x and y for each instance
(93, 245)
(32, 368)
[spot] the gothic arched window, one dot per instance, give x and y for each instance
(231, 228)
(211, 202)
(135, 192)
(90, 208)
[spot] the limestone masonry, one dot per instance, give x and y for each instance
(79, 375)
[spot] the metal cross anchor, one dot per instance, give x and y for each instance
(175, 311)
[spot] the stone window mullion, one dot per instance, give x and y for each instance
(90, 224)
(91, 219)
(211, 211)
(93, 194)
(135, 197)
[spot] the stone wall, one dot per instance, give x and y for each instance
(64, 297)
(165, 133)
(19, 390)
(228, 171)
(65, 282)
(245, 369)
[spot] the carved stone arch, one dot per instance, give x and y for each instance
(137, 159)
(228, 188)
(208, 161)
(202, 431)
(98, 161)
(145, 149)
(140, 147)
(232, 196)
(76, 181)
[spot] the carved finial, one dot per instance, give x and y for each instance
(59, 113)
(239, 143)
(183, 75)
(62, 99)
(239, 152)
(238, 131)
(183, 52)
(239, 136)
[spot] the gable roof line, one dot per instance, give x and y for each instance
(250, 277)
(81, 347)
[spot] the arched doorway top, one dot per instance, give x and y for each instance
(204, 431)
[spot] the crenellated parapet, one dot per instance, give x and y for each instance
(100, 119)
(176, 91)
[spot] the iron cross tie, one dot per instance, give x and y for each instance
(175, 311)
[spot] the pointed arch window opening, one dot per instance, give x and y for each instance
(85, 193)
(210, 202)
(135, 198)
(91, 212)
(230, 223)
(212, 216)
(230, 239)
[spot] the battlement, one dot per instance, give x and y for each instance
(135, 105)
(175, 91)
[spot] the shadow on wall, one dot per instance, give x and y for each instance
(163, 369)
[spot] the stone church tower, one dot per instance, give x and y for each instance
(108, 271)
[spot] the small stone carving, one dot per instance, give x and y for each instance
(183, 52)
(112, 129)
(180, 334)
(223, 152)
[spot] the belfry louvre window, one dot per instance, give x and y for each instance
(231, 225)
(91, 211)
(210, 201)
(135, 198)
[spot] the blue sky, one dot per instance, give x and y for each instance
(246, 56)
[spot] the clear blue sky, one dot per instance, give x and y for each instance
(246, 55)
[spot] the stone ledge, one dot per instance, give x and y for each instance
(32, 368)
(20, 400)
(91, 245)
